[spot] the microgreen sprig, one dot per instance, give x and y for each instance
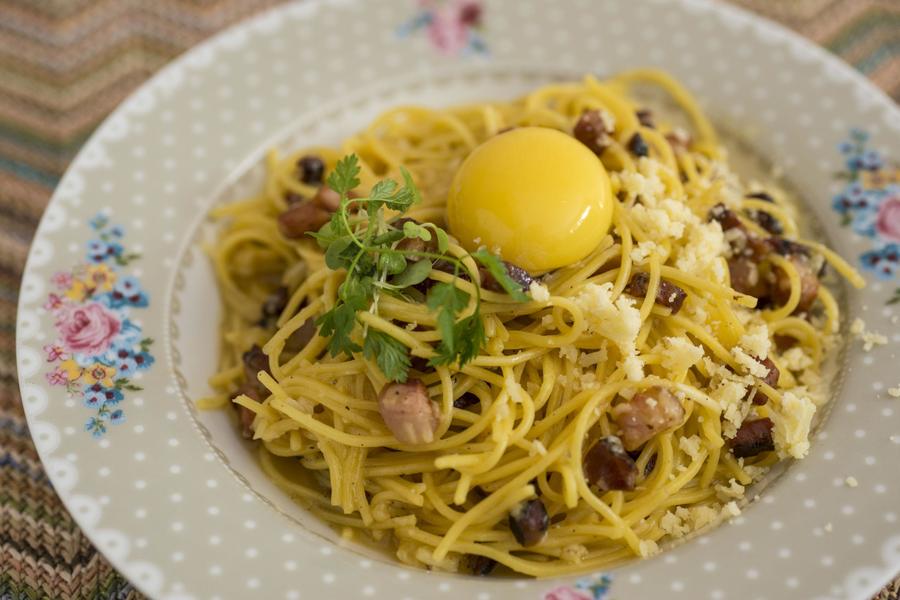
(360, 240)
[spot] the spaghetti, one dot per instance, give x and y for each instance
(632, 396)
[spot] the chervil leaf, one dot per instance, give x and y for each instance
(345, 175)
(340, 253)
(498, 271)
(339, 323)
(443, 241)
(415, 273)
(469, 334)
(357, 291)
(447, 300)
(391, 262)
(391, 356)
(409, 187)
(382, 192)
(467, 339)
(329, 233)
(413, 230)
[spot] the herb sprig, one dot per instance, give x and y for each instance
(360, 239)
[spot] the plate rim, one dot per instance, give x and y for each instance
(181, 63)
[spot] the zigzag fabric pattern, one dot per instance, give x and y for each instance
(64, 65)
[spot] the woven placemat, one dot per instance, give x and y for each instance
(64, 64)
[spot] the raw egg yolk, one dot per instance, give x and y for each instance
(536, 195)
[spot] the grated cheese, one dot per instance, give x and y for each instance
(649, 187)
(574, 553)
(633, 367)
(730, 394)
(640, 252)
(701, 254)
(792, 423)
(619, 322)
(539, 292)
(647, 548)
(690, 446)
(678, 353)
(732, 490)
(756, 341)
(796, 359)
(756, 368)
(568, 352)
(894, 392)
(731, 509)
(851, 482)
(870, 339)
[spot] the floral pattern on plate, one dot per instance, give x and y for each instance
(99, 349)
(589, 588)
(452, 26)
(870, 204)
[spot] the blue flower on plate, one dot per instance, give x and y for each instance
(100, 251)
(117, 417)
(95, 426)
(94, 398)
(127, 292)
(884, 262)
(144, 360)
(99, 221)
(97, 396)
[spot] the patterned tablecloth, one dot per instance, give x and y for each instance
(64, 64)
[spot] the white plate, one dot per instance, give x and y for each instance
(176, 501)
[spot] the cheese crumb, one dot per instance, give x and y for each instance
(672, 523)
(647, 548)
(590, 359)
(678, 353)
(796, 359)
(732, 490)
(828, 528)
(756, 341)
(539, 292)
(731, 509)
(702, 253)
(617, 321)
(701, 516)
(792, 423)
(755, 368)
(690, 446)
(638, 184)
(730, 396)
(643, 250)
(574, 553)
(894, 392)
(851, 482)
(568, 352)
(633, 367)
(870, 339)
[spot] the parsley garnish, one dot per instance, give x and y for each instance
(360, 239)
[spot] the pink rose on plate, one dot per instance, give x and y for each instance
(565, 592)
(447, 31)
(888, 221)
(88, 329)
(57, 377)
(62, 280)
